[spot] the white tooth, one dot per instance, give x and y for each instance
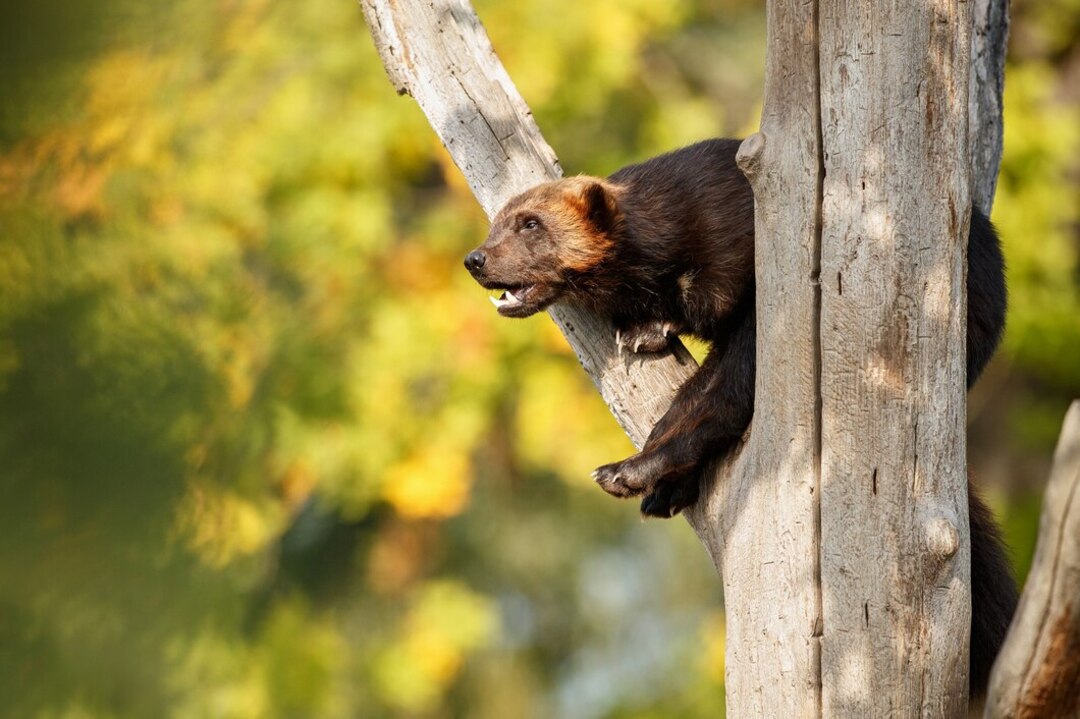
(508, 299)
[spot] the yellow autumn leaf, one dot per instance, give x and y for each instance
(432, 484)
(434, 654)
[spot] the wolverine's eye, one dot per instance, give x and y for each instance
(530, 224)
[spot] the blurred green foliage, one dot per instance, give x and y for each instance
(265, 451)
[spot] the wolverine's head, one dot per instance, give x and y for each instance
(544, 242)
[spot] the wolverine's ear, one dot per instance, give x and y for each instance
(599, 206)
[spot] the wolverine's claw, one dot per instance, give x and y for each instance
(649, 337)
(611, 479)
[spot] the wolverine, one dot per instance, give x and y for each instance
(666, 247)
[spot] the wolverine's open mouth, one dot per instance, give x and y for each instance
(512, 298)
(521, 300)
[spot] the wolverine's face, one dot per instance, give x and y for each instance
(543, 243)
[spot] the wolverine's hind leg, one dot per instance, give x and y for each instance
(709, 414)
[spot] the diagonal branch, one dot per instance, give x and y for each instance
(1038, 671)
(440, 54)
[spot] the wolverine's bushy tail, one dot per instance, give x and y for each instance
(993, 591)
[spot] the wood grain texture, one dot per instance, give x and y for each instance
(894, 531)
(1037, 674)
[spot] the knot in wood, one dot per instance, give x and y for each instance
(942, 539)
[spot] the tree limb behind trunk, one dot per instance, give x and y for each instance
(1037, 674)
(986, 89)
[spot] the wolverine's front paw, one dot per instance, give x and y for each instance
(649, 337)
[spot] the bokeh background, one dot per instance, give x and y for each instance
(267, 451)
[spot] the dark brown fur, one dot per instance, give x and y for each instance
(667, 247)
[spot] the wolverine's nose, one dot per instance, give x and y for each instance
(475, 260)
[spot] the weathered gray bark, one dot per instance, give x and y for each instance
(895, 550)
(760, 520)
(990, 32)
(1038, 672)
(860, 331)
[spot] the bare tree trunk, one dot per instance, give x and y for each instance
(840, 528)
(1038, 672)
(895, 211)
(760, 520)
